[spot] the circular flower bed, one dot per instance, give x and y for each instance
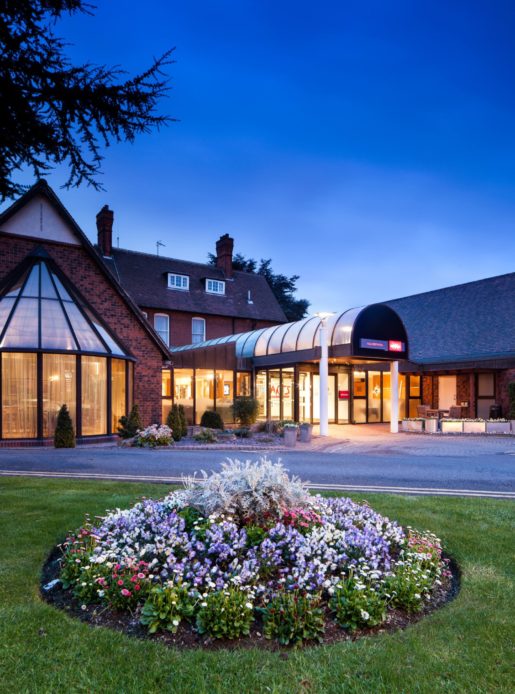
(249, 550)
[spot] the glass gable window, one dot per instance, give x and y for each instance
(215, 286)
(198, 330)
(162, 327)
(178, 281)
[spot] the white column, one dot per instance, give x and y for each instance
(394, 397)
(324, 379)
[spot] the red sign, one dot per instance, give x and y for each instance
(343, 394)
(395, 346)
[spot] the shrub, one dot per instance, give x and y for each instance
(206, 436)
(243, 433)
(245, 410)
(292, 618)
(511, 395)
(174, 421)
(64, 436)
(184, 423)
(226, 614)
(357, 604)
(253, 492)
(153, 436)
(211, 420)
(165, 607)
(129, 426)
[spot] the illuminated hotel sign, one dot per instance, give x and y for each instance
(384, 345)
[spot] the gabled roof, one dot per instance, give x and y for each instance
(144, 276)
(467, 322)
(41, 188)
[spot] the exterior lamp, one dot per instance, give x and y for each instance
(324, 373)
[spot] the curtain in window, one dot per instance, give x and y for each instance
(94, 396)
(59, 388)
(118, 392)
(19, 395)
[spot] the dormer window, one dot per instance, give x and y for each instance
(215, 287)
(178, 281)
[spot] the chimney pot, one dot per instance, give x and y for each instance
(224, 248)
(105, 230)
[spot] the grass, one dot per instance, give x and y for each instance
(464, 647)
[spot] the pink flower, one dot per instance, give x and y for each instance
(120, 582)
(140, 575)
(137, 587)
(126, 593)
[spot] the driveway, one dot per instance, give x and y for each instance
(373, 462)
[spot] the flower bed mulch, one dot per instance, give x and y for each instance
(187, 637)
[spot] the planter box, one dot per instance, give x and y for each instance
(431, 426)
(474, 427)
(451, 427)
(290, 437)
(413, 426)
(513, 426)
(498, 428)
(306, 431)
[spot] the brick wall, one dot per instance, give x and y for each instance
(77, 265)
(216, 326)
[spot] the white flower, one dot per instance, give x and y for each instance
(249, 605)
(203, 604)
(365, 615)
(175, 622)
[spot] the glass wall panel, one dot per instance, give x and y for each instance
(274, 386)
(166, 382)
(94, 396)
(183, 391)
(360, 411)
(288, 393)
(59, 388)
(243, 383)
(305, 396)
(374, 396)
(166, 406)
(225, 395)
(386, 396)
(261, 394)
(55, 331)
(343, 397)
(486, 385)
(22, 330)
(19, 395)
(331, 395)
(118, 393)
(204, 391)
(88, 340)
(360, 384)
(414, 386)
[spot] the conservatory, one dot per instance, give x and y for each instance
(284, 368)
(54, 350)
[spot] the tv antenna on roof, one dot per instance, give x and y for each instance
(159, 243)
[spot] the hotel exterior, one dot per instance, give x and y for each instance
(100, 328)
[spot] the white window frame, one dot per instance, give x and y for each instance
(198, 319)
(161, 332)
(215, 286)
(178, 282)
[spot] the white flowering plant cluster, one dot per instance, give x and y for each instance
(246, 545)
(154, 435)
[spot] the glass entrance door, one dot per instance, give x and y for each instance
(331, 394)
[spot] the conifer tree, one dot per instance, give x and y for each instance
(64, 436)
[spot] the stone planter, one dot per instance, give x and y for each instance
(306, 431)
(451, 427)
(498, 428)
(474, 427)
(290, 437)
(414, 425)
(431, 426)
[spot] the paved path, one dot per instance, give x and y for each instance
(409, 464)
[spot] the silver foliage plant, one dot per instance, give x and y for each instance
(250, 491)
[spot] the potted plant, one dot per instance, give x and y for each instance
(431, 425)
(290, 435)
(474, 426)
(413, 424)
(498, 426)
(306, 431)
(451, 426)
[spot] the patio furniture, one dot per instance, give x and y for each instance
(422, 410)
(455, 412)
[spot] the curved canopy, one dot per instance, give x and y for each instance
(38, 312)
(368, 331)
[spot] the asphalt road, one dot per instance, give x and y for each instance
(487, 474)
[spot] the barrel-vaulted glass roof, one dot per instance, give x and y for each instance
(37, 312)
(288, 337)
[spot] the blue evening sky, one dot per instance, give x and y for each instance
(367, 146)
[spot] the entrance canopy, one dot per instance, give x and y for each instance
(371, 332)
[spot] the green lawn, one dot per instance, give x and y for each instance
(466, 646)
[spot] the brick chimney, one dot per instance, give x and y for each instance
(105, 230)
(224, 247)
